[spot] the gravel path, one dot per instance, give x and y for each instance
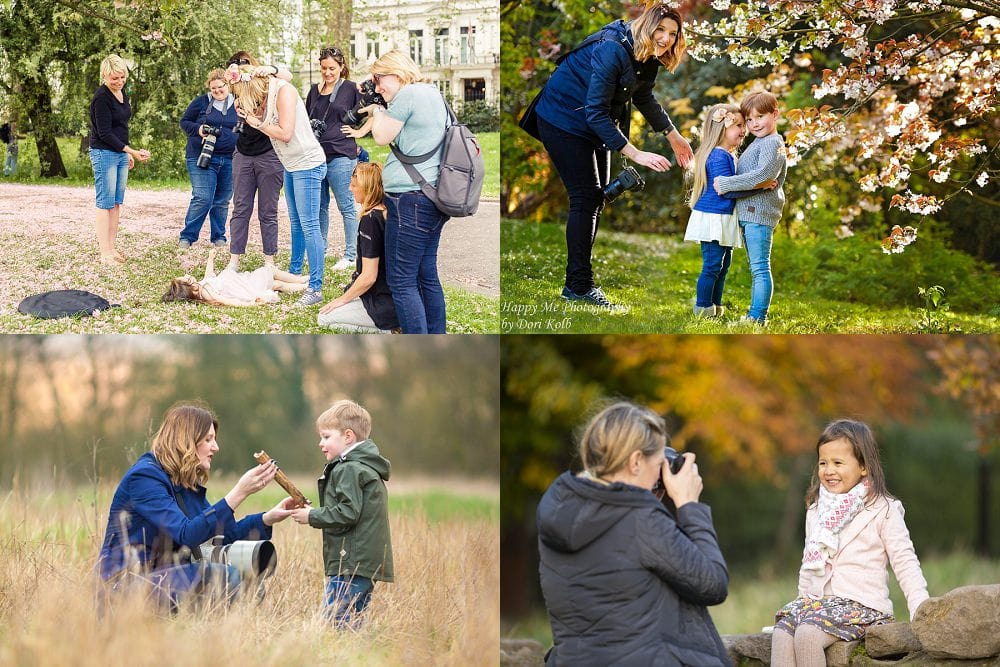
(469, 256)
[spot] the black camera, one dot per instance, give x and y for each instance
(318, 126)
(355, 117)
(240, 124)
(208, 145)
(629, 179)
(676, 461)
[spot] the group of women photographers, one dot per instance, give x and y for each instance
(266, 138)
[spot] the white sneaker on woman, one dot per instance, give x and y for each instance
(343, 264)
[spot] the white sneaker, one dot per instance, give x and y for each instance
(310, 297)
(343, 264)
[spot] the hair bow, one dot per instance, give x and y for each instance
(721, 115)
(234, 75)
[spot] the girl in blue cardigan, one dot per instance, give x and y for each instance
(713, 220)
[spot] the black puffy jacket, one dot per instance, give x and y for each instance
(624, 582)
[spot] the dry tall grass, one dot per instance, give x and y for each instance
(444, 608)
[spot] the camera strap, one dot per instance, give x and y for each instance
(333, 96)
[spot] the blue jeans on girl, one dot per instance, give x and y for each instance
(715, 261)
(412, 234)
(302, 194)
(338, 177)
(211, 190)
(346, 598)
(757, 239)
(110, 177)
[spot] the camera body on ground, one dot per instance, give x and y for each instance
(629, 179)
(208, 145)
(355, 117)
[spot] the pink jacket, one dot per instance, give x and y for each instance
(858, 572)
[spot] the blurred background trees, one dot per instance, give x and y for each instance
(751, 409)
(72, 406)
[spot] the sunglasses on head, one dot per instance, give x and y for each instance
(330, 53)
(238, 61)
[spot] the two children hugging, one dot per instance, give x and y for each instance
(853, 528)
(737, 204)
(354, 516)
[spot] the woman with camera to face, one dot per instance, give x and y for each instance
(625, 581)
(209, 121)
(273, 106)
(327, 104)
(160, 512)
(583, 115)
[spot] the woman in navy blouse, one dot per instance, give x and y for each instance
(160, 507)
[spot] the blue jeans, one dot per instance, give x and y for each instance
(338, 176)
(346, 598)
(412, 233)
(211, 190)
(175, 584)
(110, 177)
(302, 194)
(715, 261)
(758, 239)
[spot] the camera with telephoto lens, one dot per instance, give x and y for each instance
(676, 461)
(252, 558)
(318, 126)
(355, 117)
(208, 145)
(629, 179)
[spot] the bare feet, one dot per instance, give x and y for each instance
(111, 260)
(118, 256)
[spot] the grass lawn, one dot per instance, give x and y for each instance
(654, 277)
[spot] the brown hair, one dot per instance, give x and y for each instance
(344, 415)
(242, 55)
(182, 290)
(175, 445)
(217, 74)
(368, 176)
(338, 57)
(644, 27)
(760, 101)
(865, 450)
(617, 431)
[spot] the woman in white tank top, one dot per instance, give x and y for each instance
(274, 107)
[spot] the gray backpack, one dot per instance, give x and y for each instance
(460, 177)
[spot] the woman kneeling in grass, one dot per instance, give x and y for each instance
(235, 288)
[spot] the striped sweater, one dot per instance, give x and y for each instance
(763, 160)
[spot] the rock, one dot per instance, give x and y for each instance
(963, 623)
(891, 639)
(756, 646)
(521, 653)
(838, 654)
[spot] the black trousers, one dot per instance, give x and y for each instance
(584, 170)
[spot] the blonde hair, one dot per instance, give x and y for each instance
(712, 133)
(644, 27)
(113, 64)
(344, 415)
(760, 101)
(616, 432)
(175, 445)
(217, 74)
(253, 93)
(398, 63)
(368, 176)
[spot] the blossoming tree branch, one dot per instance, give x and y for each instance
(914, 91)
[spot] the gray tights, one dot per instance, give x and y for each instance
(806, 649)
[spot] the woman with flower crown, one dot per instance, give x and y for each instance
(713, 216)
(273, 107)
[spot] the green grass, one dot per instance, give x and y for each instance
(654, 277)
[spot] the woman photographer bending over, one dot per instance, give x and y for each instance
(583, 115)
(625, 582)
(160, 507)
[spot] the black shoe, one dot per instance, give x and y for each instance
(593, 296)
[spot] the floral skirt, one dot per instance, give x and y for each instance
(840, 617)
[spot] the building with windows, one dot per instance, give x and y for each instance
(455, 42)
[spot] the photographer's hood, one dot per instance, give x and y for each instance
(576, 511)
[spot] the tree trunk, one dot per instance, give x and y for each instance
(38, 112)
(791, 511)
(533, 200)
(338, 25)
(516, 570)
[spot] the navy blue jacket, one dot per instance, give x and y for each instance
(588, 94)
(626, 583)
(201, 112)
(146, 517)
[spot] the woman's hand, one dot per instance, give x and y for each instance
(301, 515)
(352, 132)
(767, 185)
(684, 487)
(654, 161)
(681, 147)
(131, 161)
(279, 512)
(251, 482)
(330, 307)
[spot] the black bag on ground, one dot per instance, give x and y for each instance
(62, 303)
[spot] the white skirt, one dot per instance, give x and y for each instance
(721, 227)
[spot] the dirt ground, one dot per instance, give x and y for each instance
(469, 256)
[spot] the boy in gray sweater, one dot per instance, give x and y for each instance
(759, 214)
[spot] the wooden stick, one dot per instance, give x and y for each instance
(281, 478)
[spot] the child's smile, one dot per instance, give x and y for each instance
(838, 469)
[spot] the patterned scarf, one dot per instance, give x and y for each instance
(835, 511)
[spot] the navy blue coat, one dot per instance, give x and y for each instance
(146, 516)
(624, 582)
(201, 112)
(588, 94)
